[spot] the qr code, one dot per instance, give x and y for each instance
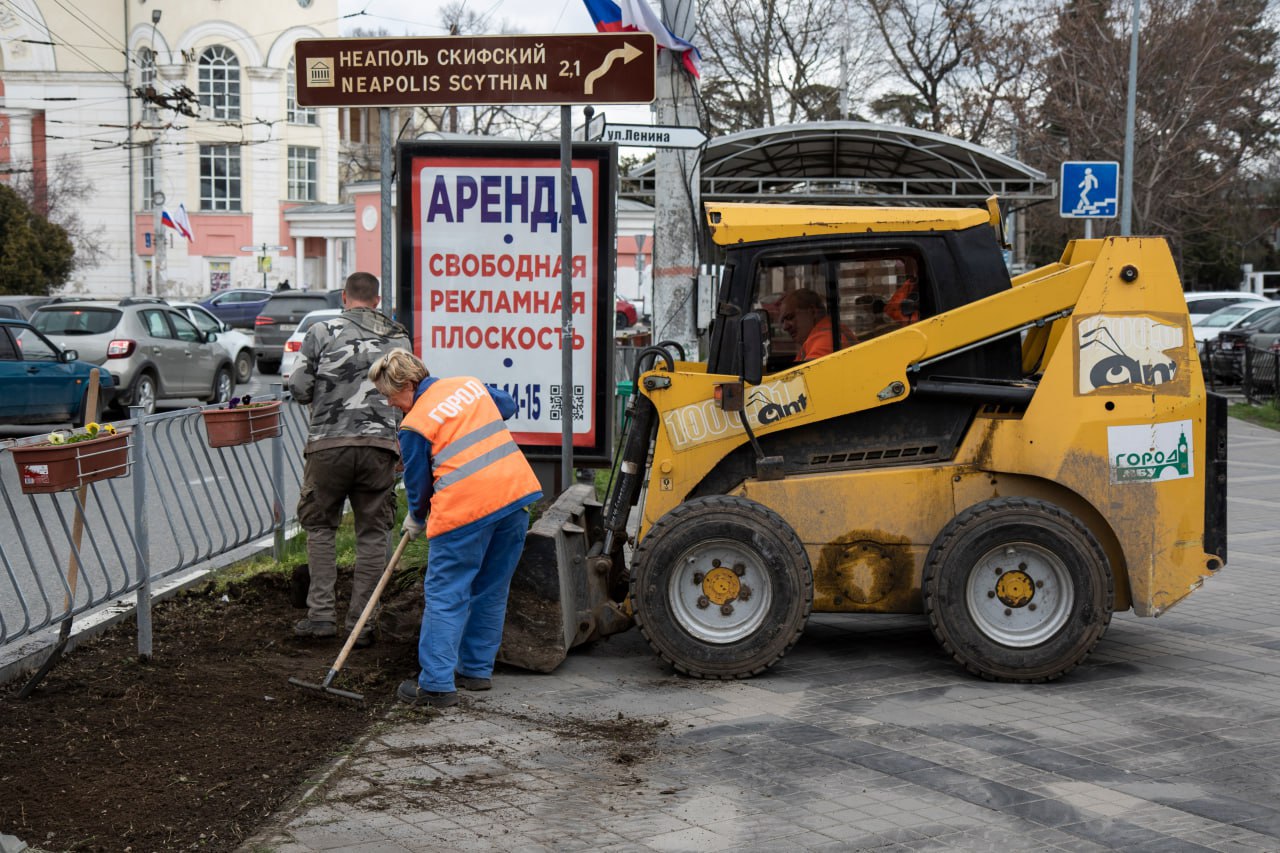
(557, 405)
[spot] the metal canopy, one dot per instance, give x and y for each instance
(853, 161)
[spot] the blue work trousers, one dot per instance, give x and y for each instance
(468, 575)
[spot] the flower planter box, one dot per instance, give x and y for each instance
(46, 468)
(243, 424)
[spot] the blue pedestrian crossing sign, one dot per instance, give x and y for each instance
(1090, 189)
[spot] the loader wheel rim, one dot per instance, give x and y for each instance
(713, 602)
(1020, 594)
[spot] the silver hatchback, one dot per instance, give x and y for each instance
(152, 351)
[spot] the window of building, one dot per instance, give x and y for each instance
(219, 275)
(302, 173)
(219, 82)
(146, 67)
(219, 177)
(148, 174)
(296, 114)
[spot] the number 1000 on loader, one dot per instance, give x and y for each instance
(888, 423)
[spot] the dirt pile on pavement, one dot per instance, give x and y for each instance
(195, 748)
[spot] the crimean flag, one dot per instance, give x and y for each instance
(178, 222)
(638, 16)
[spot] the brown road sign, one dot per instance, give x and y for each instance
(591, 68)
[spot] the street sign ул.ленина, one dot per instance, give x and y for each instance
(653, 136)
(1090, 189)
(590, 68)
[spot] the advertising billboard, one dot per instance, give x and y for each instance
(479, 279)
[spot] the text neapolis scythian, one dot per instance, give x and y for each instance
(410, 76)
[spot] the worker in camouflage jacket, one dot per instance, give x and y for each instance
(351, 452)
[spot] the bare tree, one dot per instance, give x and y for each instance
(1207, 99)
(957, 67)
(68, 192)
(778, 61)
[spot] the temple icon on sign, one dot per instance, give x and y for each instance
(320, 72)
(1089, 189)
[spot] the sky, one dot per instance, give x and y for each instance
(422, 17)
(533, 17)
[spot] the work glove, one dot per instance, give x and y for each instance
(412, 527)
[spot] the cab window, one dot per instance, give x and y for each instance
(817, 305)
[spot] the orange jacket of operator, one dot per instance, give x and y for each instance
(476, 466)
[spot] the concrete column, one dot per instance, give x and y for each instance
(298, 250)
(330, 264)
(677, 182)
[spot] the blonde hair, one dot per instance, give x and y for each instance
(398, 368)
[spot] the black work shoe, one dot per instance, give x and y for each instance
(365, 640)
(470, 682)
(410, 692)
(318, 630)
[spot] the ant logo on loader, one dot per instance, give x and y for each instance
(769, 412)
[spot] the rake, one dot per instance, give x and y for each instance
(325, 688)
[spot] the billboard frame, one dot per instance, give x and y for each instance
(411, 155)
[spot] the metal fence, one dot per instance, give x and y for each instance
(1258, 379)
(178, 504)
(1252, 369)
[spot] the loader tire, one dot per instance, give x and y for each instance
(721, 587)
(1018, 590)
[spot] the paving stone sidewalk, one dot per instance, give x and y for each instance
(865, 737)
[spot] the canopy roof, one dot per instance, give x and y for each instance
(853, 161)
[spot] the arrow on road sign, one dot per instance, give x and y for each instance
(626, 53)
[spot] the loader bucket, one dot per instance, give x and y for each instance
(560, 592)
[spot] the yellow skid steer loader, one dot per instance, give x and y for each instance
(888, 423)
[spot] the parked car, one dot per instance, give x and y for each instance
(43, 383)
(1201, 304)
(1227, 359)
(624, 314)
(21, 307)
(280, 318)
(239, 306)
(151, 350)
(294, 344)
(1240, 315)
(237, 342)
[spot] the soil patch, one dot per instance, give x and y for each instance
(197, 747)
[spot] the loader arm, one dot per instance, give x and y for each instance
(694, 434)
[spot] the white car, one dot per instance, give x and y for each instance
(1202, 303)
(1234, 316)
(237, 342)
(294, 342)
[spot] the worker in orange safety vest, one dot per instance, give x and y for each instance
(467, 482)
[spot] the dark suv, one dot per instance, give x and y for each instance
(280, 317)
(237, 307)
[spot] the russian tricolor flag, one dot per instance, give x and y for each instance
(178, 222)
(638, 16)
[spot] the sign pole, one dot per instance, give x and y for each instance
(566, 297)
(384, 179)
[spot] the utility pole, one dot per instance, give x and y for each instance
(128, 94)
(1130, 112)
(677, 211)
(158, 242)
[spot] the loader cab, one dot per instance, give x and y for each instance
(868, 284)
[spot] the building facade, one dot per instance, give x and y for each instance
(180, 107)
